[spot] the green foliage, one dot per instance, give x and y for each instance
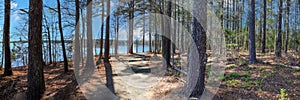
(283, 95)
(282, 65)
(242, 62)
(234, 75)
(297, 69)
(221, 76)
(247, 84)
(259, 81)
(264, 72)
(233, 82)
(259, 89)
(247, 68)
(231, 66)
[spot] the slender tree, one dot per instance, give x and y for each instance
(49, 39)
(131, 21)
(155, 35)
(278, 42)
(6, 39)
(62, 37)
(174, 34)
(117, 30)
(144, 30)
(263, 44)
(108, 69)
(166, 42)
(252, 32)
(287, 22)
(36, 83)
(102, 32)
(150, 26)
(77, 42)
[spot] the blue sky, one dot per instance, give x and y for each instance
(15, 14)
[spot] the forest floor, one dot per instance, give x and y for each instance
(265, 80)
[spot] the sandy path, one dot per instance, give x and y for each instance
(135, 76)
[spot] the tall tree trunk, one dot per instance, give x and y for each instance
(6, 37)
(278, 42)
(144, 30)
(108, 69)
(83, 34)
(150, 27)
(62, 38)
(174, 35)
(162, 25)
(252, 51)
(49, 39)
(89, 64)
(199, 39)
(77, 42)
(287, 25)
(263, 44)
(227, 15)
(166, 45)
(155, 35)
(102, 32)
(183, 30)
(36, 83)
(131, 21)
(117, 33)
(222, 13)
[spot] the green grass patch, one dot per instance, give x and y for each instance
(242, 62)
(234, 75)
(247, 68)
(282, 65)
(259, 89)
(249, 84)
(297, 69)
(283, 95)
(233, 82)
(231, 66)
(259, 81)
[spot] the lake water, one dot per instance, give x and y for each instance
(19, 52)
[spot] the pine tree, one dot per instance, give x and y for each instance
(252, 32)
(278, 42)
(6, 40)
(36, 83)
(62, 37)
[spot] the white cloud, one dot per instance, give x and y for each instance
(13, 5)
(15, 15)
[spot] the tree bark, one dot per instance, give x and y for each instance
(263, 44)
(36, 83)
(144, 30)
(62, 38)
(49, 39)
(199, 39)
(131, 21)
(252, 51)
(166, 45)
(150, 27)
(287, 26)
(108, 69)
(6, 40)
(174, 34)
(278, 42)
(77, 42)
(102, 32)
